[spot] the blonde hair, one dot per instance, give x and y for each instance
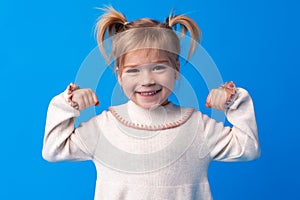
(143, 33)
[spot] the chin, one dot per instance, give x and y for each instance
(148, 105)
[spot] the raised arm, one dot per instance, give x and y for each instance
(61, 141)
(239, 143)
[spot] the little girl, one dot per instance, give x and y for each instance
(149, 148)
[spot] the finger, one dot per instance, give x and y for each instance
(75, 105)
(213, 98)
(81, 103)
(91, 98)
(95, 98)
(69, 97)
(69, 89)
(207, 105)
(218, 99)
(87, 99)
(81, 99)
(208, 100)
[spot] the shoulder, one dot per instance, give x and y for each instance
(97, 120)
(195, 117)
(205, 121)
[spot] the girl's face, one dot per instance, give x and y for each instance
(148, 77)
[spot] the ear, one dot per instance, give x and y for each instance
(118, 75)
(120, 79)
(176, 75)
(177, 71)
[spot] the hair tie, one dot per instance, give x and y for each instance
(167, 20)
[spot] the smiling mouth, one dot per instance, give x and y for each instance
(149, 93)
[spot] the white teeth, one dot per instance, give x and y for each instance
(149, 93)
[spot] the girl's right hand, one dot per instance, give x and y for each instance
(84, 98)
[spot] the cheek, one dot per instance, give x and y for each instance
(170, 84)
(128, 84)
(168, 81)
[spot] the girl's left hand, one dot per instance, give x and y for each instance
(217, 98)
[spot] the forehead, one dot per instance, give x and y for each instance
(144, 56)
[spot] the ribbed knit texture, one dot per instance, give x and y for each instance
(138, 158)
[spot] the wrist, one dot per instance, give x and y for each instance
(68, 95)
(231, 94)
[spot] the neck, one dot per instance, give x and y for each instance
(161, 117)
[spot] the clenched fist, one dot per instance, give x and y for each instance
(84, 98)
(80, 99)
(217, 98)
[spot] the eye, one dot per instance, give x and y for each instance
(159, 67)
(132, 70)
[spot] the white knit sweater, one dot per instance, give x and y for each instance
(160, 154)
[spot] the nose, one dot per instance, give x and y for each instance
(148, 84)
(147, 79)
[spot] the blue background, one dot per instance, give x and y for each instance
(43, 43)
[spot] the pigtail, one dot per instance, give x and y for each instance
(186, 24)
(112, 22)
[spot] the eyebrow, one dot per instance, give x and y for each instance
(155, 62)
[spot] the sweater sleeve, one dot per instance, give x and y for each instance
(239, 143)
(61, 140)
